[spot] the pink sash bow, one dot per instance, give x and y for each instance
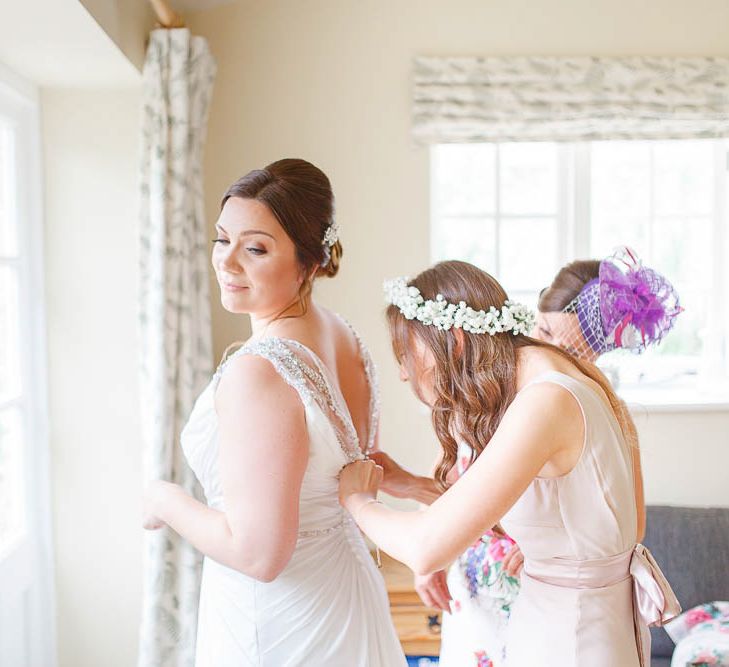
(654, 602)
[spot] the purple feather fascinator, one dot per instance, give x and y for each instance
(628, 306)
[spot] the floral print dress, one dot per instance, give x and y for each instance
(474, 633)
(701, 635)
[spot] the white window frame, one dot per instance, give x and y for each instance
(573, 223)
(19, 100)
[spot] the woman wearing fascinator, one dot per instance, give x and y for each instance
(553, 463)
(287, 577)
(593, 307)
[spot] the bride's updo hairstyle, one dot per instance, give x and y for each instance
(474, 382)
(300, 196)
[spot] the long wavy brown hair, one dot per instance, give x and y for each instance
(474, 378)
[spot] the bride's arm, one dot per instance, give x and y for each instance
(540, 424)
(263, 455)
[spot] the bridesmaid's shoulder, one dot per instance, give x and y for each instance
(545, 403)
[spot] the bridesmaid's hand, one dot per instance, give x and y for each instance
(150, 503)
(396, 480)
(358, 483)
(433, 590)
(513, 561)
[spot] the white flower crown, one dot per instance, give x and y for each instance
(514, 317)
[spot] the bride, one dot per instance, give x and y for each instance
(287, 577)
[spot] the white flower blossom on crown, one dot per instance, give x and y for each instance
(514, 317)
(331, 235)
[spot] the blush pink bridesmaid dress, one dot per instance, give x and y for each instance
(588, 591)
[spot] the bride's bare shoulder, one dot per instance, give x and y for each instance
(328, 334)
(341, 331)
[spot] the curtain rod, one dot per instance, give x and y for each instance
(166, 15)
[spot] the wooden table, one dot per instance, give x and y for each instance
(418, 626)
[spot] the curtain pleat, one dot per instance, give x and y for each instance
(176, 338)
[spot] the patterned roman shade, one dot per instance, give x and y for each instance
(461, 100)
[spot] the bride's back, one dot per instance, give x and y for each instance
(330, 579)
(343, 356)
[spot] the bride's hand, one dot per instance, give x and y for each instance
(396, 480)
(150, 520)
(359, 482)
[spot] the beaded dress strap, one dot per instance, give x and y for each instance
(308, 379)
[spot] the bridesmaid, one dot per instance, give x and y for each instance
(556, 469)
(482, 583)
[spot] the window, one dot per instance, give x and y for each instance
(26, 602)
(522, 210)
(12, 506)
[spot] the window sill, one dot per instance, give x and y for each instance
(688, 397)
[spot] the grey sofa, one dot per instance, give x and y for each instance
(691, 545)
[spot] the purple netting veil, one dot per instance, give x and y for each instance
(628, 306)
(587, 308)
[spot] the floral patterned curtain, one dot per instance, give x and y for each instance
(176, 340)
(460, 100)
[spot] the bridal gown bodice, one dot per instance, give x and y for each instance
(329, 606)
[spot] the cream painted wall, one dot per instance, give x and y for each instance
(58, 44)
(90, 152)
(328, 80)
(685, 457)
(126, 22)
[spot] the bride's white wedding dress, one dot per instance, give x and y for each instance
(329, 607)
